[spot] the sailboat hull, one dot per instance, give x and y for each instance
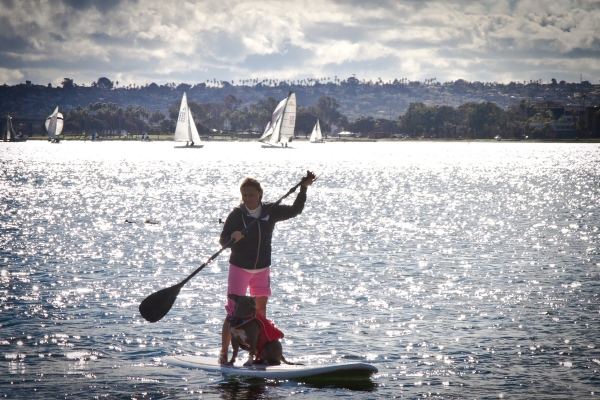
(275, 146)
(196, 146)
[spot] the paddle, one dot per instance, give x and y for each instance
(154, 307)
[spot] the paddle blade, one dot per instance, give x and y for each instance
(158, 304)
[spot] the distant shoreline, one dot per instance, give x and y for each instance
(334, 140)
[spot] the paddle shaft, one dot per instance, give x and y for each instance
(200, 268)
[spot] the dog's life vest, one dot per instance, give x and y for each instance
(268, 332)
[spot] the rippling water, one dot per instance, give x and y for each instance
(458, 269)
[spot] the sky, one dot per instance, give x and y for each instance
(176, 41)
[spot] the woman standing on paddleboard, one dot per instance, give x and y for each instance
(250, 260)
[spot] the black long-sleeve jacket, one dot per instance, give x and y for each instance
(254, 250)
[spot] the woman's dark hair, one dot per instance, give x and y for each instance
(251, 182)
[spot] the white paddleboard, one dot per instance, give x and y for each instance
(282, 371)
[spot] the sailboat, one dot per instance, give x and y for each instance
(315, 136)
(9, 135)
(280, 129)
(186, 130)
(8, 132)
(54, 126)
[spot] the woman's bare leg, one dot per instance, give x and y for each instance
(261, 305)
(225, 340)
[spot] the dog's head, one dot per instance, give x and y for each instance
(245, 306)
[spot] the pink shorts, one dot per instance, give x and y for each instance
(239, 280)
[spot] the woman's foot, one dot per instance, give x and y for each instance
(222, 358)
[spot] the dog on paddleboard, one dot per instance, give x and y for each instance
(254, 333)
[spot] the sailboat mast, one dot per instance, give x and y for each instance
(189, 125)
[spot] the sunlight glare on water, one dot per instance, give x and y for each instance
(458, 269)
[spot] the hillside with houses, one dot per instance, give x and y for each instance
(362, 105)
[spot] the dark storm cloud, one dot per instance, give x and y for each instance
(57, 37)
(7, 4)
(102, 5)
(12, 44)
(109, 41)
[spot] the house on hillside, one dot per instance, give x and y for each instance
(562, 130)
(590, 118)
(575, 121)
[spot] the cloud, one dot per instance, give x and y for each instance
(8, 75)
(192, 41)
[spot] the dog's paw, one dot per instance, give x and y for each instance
(222, 358)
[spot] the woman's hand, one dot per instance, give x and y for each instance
(309, 179)
(237, 236)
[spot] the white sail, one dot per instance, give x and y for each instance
(60, 121)
(194, 130)
(186, 130)
(183, 132)
(271, 134)
(9, 134)
(280, 128)
(267, 133)
(288, 122)
(276, 135)
(54, 124)
(51, 124)
(316, 135)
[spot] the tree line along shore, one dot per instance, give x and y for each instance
(537, 121)
(233, 118)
